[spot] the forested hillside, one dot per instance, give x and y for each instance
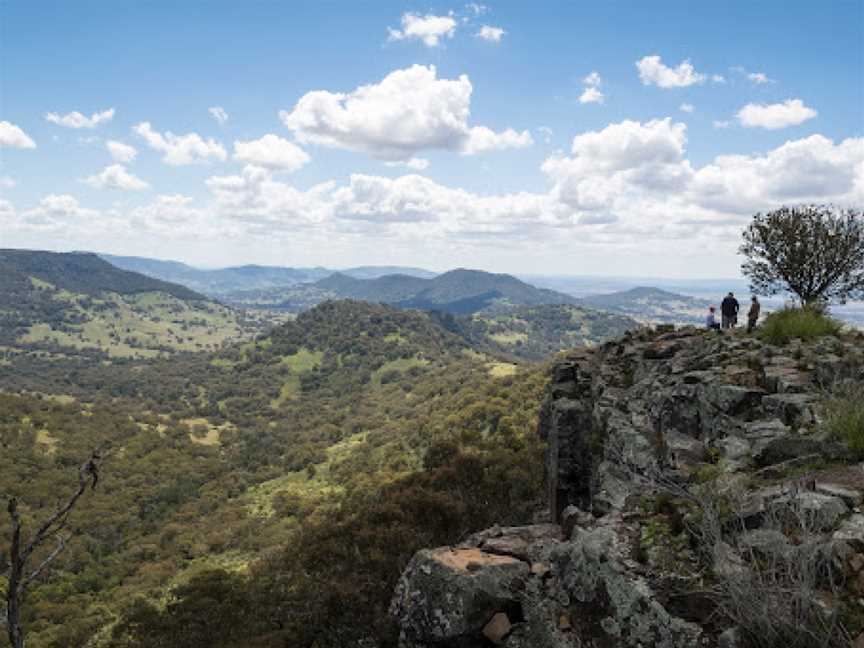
(58, 306)
(304, 468)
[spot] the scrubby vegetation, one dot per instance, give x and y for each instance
(844, 417)
(304, 509)
(782, 326)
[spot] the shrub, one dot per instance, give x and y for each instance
(844, 417)
(805, 323)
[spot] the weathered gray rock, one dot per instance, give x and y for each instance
(792, 446)
(603, 594)
(446, 597)
(793, 409)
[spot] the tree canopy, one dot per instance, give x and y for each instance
(813, 251)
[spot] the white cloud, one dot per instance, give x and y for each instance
(591, 95)
(57, 212)
(7, 183)
(120, 151)
(623, 162)
(593, 79)
(416, 164)
(429, 28)
(719, 124)
(116, 176)
(759, 78)
(409, 111)
(653, 72)
(491, 34)
(718, 78)
(271, 152)
(181, 149)
(482, 139)
(476, 8)
(546, 132)
(76, 120)
(218, 113)
(774, 116)
(805, 170)
(686, 107)
(11, 136)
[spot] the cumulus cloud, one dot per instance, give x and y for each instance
(416, 164)
(653, 72)
(76, 120)
(11, 136)
(430, 29)
(409, 111)
(482, 139)
(218, 113)
(490, 34)
(686, 107)
(624, 161)
(180, 150)
(57, 211)
(809, 169)
(271, 152)
(591, 95)
(774, 116)
(116, 176)
(121, 152)
(758, 78)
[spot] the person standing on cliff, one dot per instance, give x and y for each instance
(729, 311)
(753, 313)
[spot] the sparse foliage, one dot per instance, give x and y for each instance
(813, 251)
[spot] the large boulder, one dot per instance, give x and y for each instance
(447, 597)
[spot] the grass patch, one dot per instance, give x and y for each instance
(389, 370)
(844, 418)
(501, 369)
(782, 326)
(509, 338)
(303, 360)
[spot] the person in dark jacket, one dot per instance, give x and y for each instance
(753, 313)
(729, 311)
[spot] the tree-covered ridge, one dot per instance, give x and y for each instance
(394, 433)
(61, 305)
(537, 332)
(79, 272)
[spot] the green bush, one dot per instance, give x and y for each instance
(844, 418)
(805, 323)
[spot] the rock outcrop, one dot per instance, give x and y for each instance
(640, 434)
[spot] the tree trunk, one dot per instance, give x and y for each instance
(16, 574)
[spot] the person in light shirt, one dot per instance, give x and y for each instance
(711, 320)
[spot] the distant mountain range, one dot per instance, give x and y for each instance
(221, 281)
(459, 291)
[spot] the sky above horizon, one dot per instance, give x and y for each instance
(558, 138)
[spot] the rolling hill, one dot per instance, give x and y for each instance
(537, 332)
(74, 304)
(651, 305)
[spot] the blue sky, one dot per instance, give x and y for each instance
(469, 147)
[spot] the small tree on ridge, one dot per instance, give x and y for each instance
(813, 251)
